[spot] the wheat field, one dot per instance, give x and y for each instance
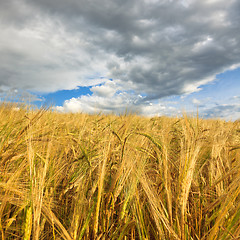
(79, 176)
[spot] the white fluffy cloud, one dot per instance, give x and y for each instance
(107, 99)
(107, 90)
(196, 101)
(119, 104)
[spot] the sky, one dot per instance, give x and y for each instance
(150, 57)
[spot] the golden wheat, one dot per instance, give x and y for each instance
(79, 176)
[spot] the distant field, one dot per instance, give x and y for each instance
(79, 176)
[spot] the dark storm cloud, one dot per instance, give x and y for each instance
(14, 12)
(159, 48)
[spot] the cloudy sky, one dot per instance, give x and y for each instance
(152, 57)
